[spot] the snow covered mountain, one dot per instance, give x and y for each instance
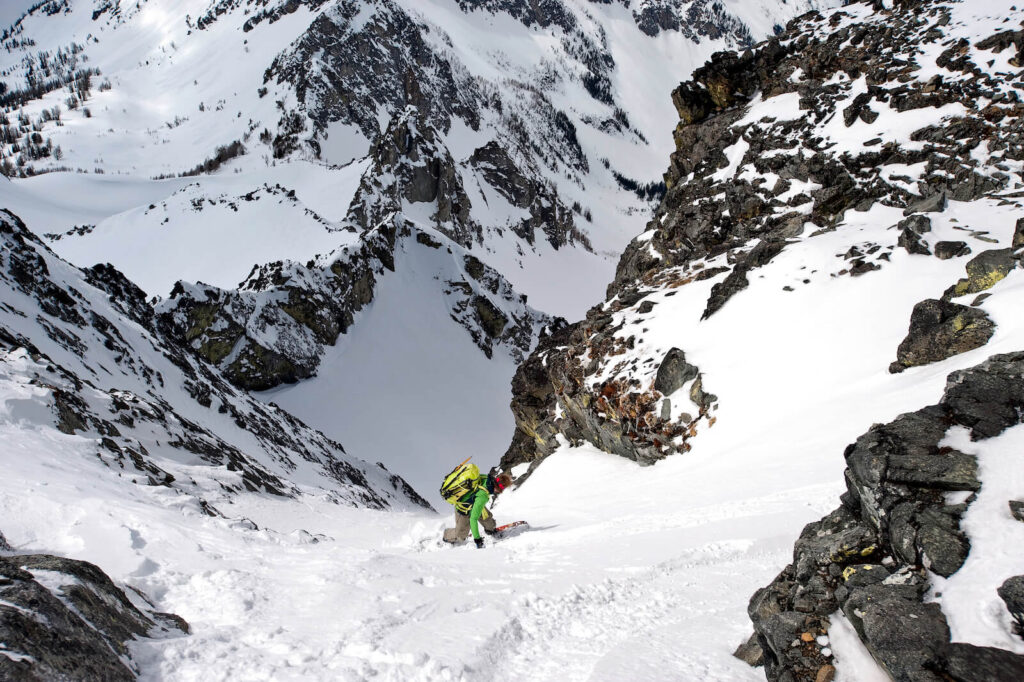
(83, 357)
(388, 204)
(302, 127)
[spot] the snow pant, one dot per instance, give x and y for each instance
(461, 530)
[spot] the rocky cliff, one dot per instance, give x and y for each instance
(866, 116)
(62, 619)
(871, 558)
(891, 138)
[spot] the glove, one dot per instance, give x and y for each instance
(479, 543)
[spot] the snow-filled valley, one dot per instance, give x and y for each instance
(785, 399)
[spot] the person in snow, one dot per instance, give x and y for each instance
(471, 510)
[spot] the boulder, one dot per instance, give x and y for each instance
(945, 250)
(674, 372)
(750, 652)
(988, 398)
(1018, 235)
(944, 547)
(1012, 594)
(1017, 509)
(935, 203)
(983, 272)
(911, 229)
(951, 471)
(940, 329)
(962, 662)
(839, 538)
(902, 633)
(78, 631)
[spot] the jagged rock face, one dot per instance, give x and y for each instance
(693, 18)
(87, 345)
(523, 190)
(412, 166)
(373, 56)
(820, 64)
(870, 557)
(65, 619)
(742, 187)
(582, 384)
(274, 328)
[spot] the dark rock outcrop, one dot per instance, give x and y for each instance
(524, 189)
(556, 392)
(911, 230)
(695, 20)
(945, 250)
(74, 625)
(1012, 594)
(361, 74)
(4, 546)
(968, 663)
(741, 189)
(871, 557)
(939, 330)
(673, 372)
(984, 271)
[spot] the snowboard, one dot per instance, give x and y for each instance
(503, 531)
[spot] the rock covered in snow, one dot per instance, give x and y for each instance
(275, 328)
(65, 619)
(871, 557)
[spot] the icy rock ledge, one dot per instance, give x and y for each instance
(872, 556)
(62, 619)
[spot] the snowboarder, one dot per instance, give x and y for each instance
(471, 509)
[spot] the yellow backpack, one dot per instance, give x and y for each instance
(463, 480)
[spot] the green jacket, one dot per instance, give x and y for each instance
(479, 499)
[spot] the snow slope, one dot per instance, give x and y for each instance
(605, 586)
(403, 389)
(596, 590)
